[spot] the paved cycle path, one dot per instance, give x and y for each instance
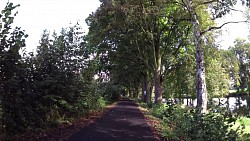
(123, 122)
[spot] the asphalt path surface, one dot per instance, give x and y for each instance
(123, 122)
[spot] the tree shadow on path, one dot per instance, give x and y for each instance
(124, 122)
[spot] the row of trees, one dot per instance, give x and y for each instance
(141, 47)
(50, 86)
(161, 45)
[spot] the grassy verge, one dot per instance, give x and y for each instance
(178, 122)
(245, 121)
(158, 126)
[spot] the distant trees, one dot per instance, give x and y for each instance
(241, 51)
(160, 33)
(218, 78)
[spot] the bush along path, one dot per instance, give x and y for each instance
(123, 122)
(62, 132)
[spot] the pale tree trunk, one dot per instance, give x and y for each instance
(200, 64)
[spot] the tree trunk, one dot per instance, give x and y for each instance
(200, 74)
(145, 90)
(130, 92)
(228, 103)
(158, 87)
(136, 93)
(239, 101)
(200, 64)
(135, 90)
(157, 72)
(150, 93)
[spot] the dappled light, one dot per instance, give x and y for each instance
(146, 70)
(123, 122)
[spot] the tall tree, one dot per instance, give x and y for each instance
(241, 50)
(11, 41)
(202, 22)
(218, 78)
(151, 28)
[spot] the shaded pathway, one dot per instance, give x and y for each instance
(124, 122)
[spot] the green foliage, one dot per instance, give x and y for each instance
(180, 123)
(245, 122)
(144, 38)
(109, 91)
(11, 41)
(181, 82)
(158, 110)
(46, 88)
(241, 110)
(127, 40)
(218, 73)
(240, 51)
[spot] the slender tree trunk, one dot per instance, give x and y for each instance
(239, 101)
(145, 90)
(201, 82)
(136, 93)
(150, 93)
(135, 90)
(200, 64)
(130, 92)
(228, 102)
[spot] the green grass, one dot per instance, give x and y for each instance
(245, 121)
(235, 91)
(246, 132)
(232, 91)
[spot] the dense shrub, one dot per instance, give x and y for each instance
(185, 124)
(242, 111)
(46, 89)
(158, 110)
(109, 91)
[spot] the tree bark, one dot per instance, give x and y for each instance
(136, 90)
(158, 87)
(157, 70)
(201, 82)
(130, 91)
(145, 90)
(200, 63)
(150, 92)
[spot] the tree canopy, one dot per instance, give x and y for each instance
(146, 49)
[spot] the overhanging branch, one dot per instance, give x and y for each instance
(206, 2)
(219, 27)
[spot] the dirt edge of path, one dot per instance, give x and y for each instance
(152, 123)
(63, 132)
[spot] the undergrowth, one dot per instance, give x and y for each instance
(183, 123)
